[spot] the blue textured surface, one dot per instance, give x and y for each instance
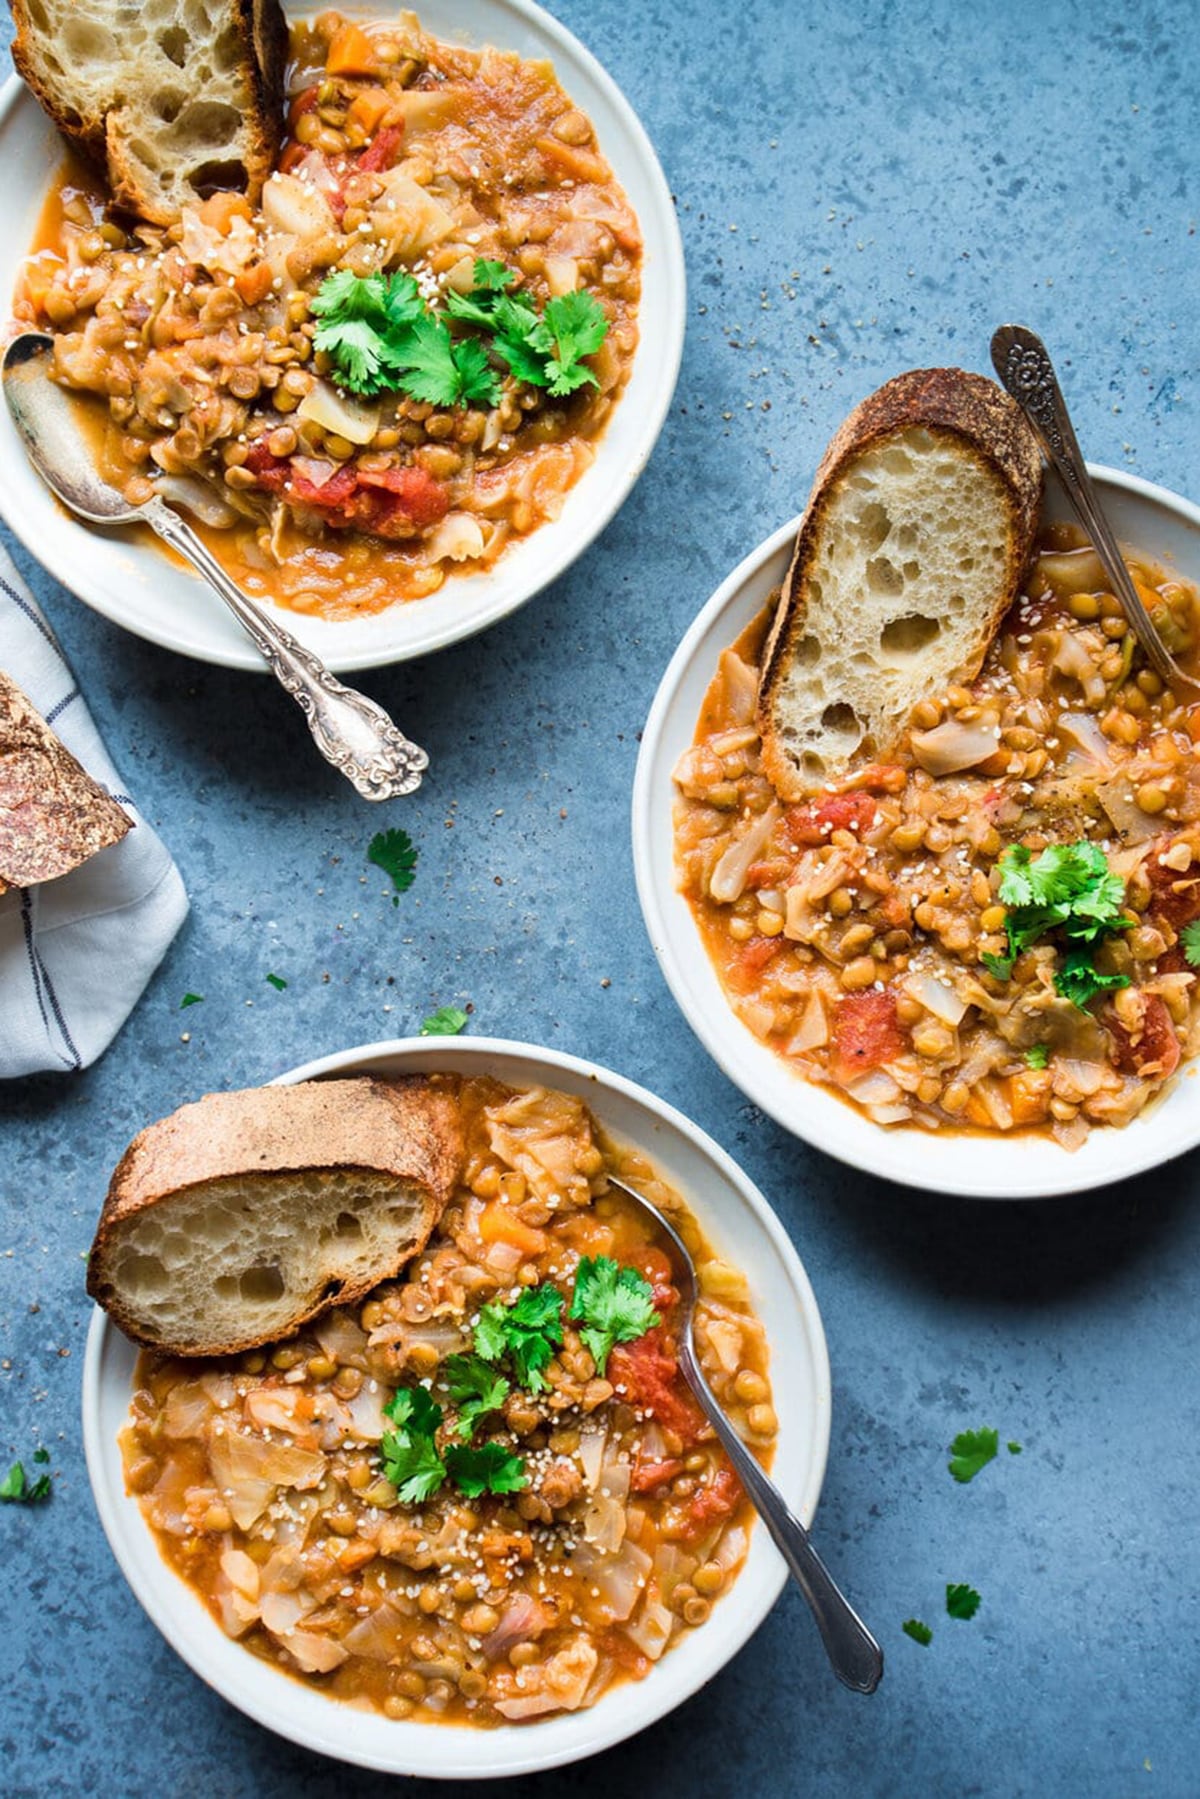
(862, 189)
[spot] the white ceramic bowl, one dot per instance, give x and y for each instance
(739, 1222)
(1145, 517)
(137, 586)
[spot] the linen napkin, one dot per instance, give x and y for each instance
(76, 952)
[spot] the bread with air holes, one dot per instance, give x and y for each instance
(239, 1218)
(917, 532)
(172, 98)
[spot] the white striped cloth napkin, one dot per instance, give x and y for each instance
(75, 953)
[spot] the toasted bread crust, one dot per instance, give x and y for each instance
(408, 1128)
(952, 404)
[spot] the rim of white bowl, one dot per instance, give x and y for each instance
(445, 1752)
(1027, 1167)
(444, 623)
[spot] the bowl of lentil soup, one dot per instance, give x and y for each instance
(546, 1631)
(1070, 1095)
(447, 517)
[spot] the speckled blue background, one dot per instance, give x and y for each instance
(862, 188)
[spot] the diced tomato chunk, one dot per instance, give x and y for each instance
(422, 498)
(392, 503)
(647, 1372)
(879, 777)
(380, 153)
(656, 1267)
(333, 493)
(816, 821)
(1175, 894)
(647, 1476)
(620, 1649)
(713, 1503)
(751, 958)
(767, 874)
(1153, 1049)
(866, 1033)
(269, 471)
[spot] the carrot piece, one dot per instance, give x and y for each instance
(254, 284)
(368, 107)
(498, 1223)
(351, 52)
(220, 210)
(565, 159)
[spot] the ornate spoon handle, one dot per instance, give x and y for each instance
(1023, 364)
(351, 731)
(854, 1655)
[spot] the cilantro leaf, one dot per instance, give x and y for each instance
(999, 966)
(402, 302)
(920, 1633)
(1190, 939)
(343, 296)
(277, 981)
(493, 277)
(489, 1469)
(475, 1389)
(415, 1410)
(361, 318)
(477, 385)
(1078, 980)
(1037, 1055)
(1014, 1449)
(413, 1466)
(528, 1332)
(614, 1305)
(961, 1601)
(17, 1489)
(394, 852)
(191, 999)
(447, 1021)
(970, 1451)
(576, 326)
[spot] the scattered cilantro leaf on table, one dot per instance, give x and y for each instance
(277, 981)
(475, 1388)
(1014, 1449)
(447, 1021)
(970, 1451)
(1037, 1055)
(1189, 937)
(528, 1332)
(962, 1601)
(613, 1304)
(489, 1469)
(191, 999)
(1068, 888)
(396, 853)
(920, 1633)
(17, 1489)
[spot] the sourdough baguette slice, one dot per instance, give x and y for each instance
(239, 1218)
(917, 532)
(172, 97)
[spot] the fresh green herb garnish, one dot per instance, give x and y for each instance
(1037, 1055)
(412, 1463)
(545, 352)
(191, 999)
(528, 1332)
(614, 1305)
(1014, 1449)
(447, 1021)
(277, 981)
(920, 1633)
(396, 853)
(413, 1409)
(475, 1389)
(17, 1489)
(489, 1469)
(1190, 939)
(970, 1451)
(363, 319)
(1068, 888)
(962, 1601)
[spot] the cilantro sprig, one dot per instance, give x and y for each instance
(489, 1469)
(396, 853)
(972, 1450)
(527, 1332)
(1189, 937)
(447, 1021)
(415, 1465)
(962, 1601)
(613, 1305)
(17, 1489)
(919, 1632)
(1069, 888)
(475, 1388)
(381, 337)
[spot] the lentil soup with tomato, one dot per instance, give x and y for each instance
(486, 1494)
(997, 929)
(324, 378)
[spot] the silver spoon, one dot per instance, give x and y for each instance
(1023, 364)
(351, 731)
(854, 1655)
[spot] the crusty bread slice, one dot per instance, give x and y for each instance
(173, 97)
(239, 1218)
(918, 529)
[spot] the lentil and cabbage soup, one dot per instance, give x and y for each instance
(997, 928)
(396, 365)
(486, 1494)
